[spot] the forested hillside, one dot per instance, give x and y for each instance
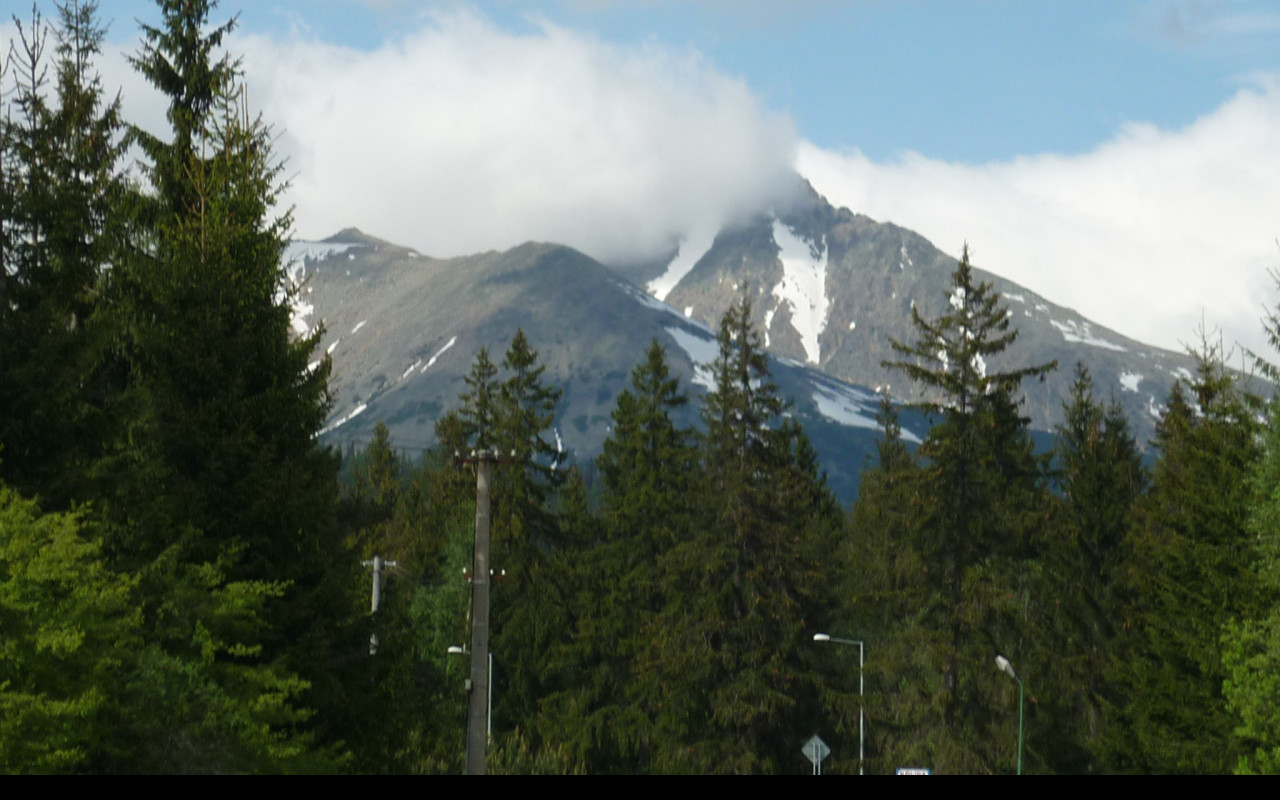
(183, 565)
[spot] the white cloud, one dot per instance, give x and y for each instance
(1150, 234)
(461, 137)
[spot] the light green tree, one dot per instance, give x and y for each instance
(70, 624)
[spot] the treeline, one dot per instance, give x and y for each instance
(183, 575)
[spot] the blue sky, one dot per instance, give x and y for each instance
(1119, 156)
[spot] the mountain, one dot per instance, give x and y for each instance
(832, 288)
(403, 329)
(829, 289)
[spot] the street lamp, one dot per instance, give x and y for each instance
(1003, 664)
(862, 749)
(457, 650)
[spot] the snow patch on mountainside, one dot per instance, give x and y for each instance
(440, 352)
(298, 253)
(700, 351)
(1080, 333)
(845, 405)
(355, 412)
(296, 257)
(803, 286)
(298, 316)
(692, 248)
(1129, 381)
(658, 305)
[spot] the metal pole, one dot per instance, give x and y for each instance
(1004, 666)
(862, 738)
(1019, 680)
(480, 702)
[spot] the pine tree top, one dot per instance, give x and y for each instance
(950, 353)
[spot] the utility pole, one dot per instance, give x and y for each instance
(477, 708)
(376, 601)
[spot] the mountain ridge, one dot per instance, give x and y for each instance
(830, 288)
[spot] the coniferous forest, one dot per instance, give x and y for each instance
(183, 564)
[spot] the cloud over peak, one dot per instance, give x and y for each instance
(460, 137)
(1151, 233)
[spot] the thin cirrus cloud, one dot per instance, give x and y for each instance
(1155, 233)
(461, 137)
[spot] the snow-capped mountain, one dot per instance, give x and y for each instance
(829, 289)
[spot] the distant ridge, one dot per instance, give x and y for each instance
(357, 236)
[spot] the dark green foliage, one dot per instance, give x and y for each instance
(1251, 641)
(60, 228)
(981, 501)
(206, 476)
(730, 681)
(1188, 576)
(886, 602)
(1101, 477)
(477, 417)
(647, 468)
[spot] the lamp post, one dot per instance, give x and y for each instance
(1007, 668)
(456, 650)
(862, 749)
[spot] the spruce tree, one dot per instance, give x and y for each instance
(887, 597)
(477, 418)
(70, 625)
(213, 487)
(222, 408)
(982, 501)
(1251, 640)
(1189, 576)
(61, 206)
(510, 412)
(647, 466)
(1101, 477)
(733, 684)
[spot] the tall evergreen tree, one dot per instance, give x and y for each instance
(1189, 576)
(1251, 641)
(734, 686)
(887, 597)
(222, 408)
(477, 419)
(213, 486)
(61, 207)
(983, 499)
(511, 412)
(647, 466)
(1101, 478)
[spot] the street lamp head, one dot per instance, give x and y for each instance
(821, 637)
(1005, 667)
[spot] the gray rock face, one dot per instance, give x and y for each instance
(833, 287)
(829, 289)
